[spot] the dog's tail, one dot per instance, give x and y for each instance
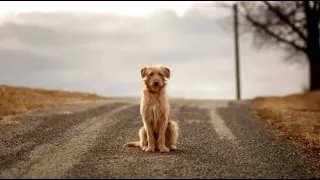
(132, 144)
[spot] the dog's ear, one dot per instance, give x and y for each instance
(143, 72)
(166, 72)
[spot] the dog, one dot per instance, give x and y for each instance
(158, 131)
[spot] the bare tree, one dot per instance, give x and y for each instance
(292, 25)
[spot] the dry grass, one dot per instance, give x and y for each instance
(18, 100)
(297, 117)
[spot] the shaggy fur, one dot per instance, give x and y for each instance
(157, 132)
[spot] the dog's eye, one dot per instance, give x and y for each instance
(160, 74)
(151, 74)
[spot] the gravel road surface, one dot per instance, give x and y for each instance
(219, 139)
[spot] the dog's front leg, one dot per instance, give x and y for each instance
(143, 138)
(150, 137)
(162, 136)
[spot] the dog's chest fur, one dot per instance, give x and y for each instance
(154, 108)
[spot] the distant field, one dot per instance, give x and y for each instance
(18, 100)
(297, 117)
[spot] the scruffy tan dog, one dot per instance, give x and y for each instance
(157, 132)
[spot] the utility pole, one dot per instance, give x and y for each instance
(236, 46)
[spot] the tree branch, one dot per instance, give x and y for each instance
(285, 20)
(273, 35)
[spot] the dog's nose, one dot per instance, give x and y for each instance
(155, 83)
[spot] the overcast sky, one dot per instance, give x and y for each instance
(101, 47)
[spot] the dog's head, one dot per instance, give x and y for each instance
(155, 77)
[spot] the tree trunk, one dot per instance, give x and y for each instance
(314, 62)
(313, 46)
(314, 71)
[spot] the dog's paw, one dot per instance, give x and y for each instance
(150, 149)
(173, 148)
(144, 148)
(164, 149)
